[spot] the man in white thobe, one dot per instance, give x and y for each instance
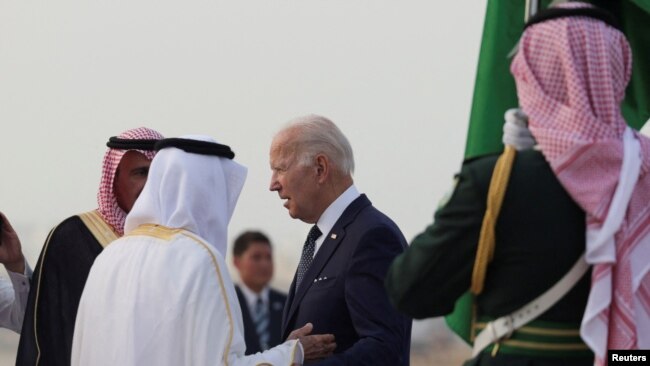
(162, 295)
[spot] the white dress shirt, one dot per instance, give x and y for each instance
(251, 296)
(332, 214)
(13, 299)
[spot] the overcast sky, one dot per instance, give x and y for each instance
(397, 77)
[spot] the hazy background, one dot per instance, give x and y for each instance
(397, 77)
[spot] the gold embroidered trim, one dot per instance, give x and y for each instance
(38, 293)
(545, 346)
(100, 229)
(541, 331)
(223, 290)
(157, 231)
(166, 233)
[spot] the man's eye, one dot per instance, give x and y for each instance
(141, 172)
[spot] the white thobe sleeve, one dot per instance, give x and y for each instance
(286, 354)
(278, 355)
(13, 299)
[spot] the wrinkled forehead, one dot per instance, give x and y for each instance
(281, 157)
(284, 144)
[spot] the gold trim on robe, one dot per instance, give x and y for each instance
(100, 229)
(38, 293)
(102, 232)
(166, 233)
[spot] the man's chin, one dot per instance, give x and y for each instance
(296, 215)
(292, 213)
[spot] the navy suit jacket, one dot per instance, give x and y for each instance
(343, 292)
(276, 305)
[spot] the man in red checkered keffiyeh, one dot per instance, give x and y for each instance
(109, 208)
(571, 74)
(73, 245)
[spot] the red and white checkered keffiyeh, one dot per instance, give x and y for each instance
(108, 207)
(571, 75)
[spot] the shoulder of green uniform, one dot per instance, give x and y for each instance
(483, 163)
(484, 159)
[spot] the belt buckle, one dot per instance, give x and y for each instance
(510, 324)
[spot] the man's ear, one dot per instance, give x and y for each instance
(236, 261)
(322, 167)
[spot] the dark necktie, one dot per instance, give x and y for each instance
(307, 254)
(261, 320)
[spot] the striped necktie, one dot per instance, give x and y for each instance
(261, 321)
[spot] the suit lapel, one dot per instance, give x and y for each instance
(289, 304)
(325, 252)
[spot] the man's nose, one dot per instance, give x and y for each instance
(275, 185)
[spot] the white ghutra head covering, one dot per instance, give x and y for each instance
(193, 185)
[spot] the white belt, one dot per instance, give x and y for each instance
(505, 325)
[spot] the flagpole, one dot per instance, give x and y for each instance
(532, 6)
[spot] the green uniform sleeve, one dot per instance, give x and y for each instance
(436, 269)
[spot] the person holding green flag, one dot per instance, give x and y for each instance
(513, 235)
(540, 234)
(571, 75)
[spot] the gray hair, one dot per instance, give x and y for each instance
(318, 135)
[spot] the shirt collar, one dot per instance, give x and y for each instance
(332, 214)
(251, 296)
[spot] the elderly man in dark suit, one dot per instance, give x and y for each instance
(338, 286)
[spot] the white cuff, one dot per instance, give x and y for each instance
(298, 353)
(20, 281)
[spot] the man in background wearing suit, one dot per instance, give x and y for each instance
(261, 306)
(338, 286)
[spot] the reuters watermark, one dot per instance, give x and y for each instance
(628, 357)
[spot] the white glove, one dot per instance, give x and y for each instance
(515, 130)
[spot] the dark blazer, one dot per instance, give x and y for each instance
(276, 306)
(58, 280)
(342, 292)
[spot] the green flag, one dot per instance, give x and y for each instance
(494, 90)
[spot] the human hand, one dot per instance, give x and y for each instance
(315, 346)
(11, 254)
(515, 130)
